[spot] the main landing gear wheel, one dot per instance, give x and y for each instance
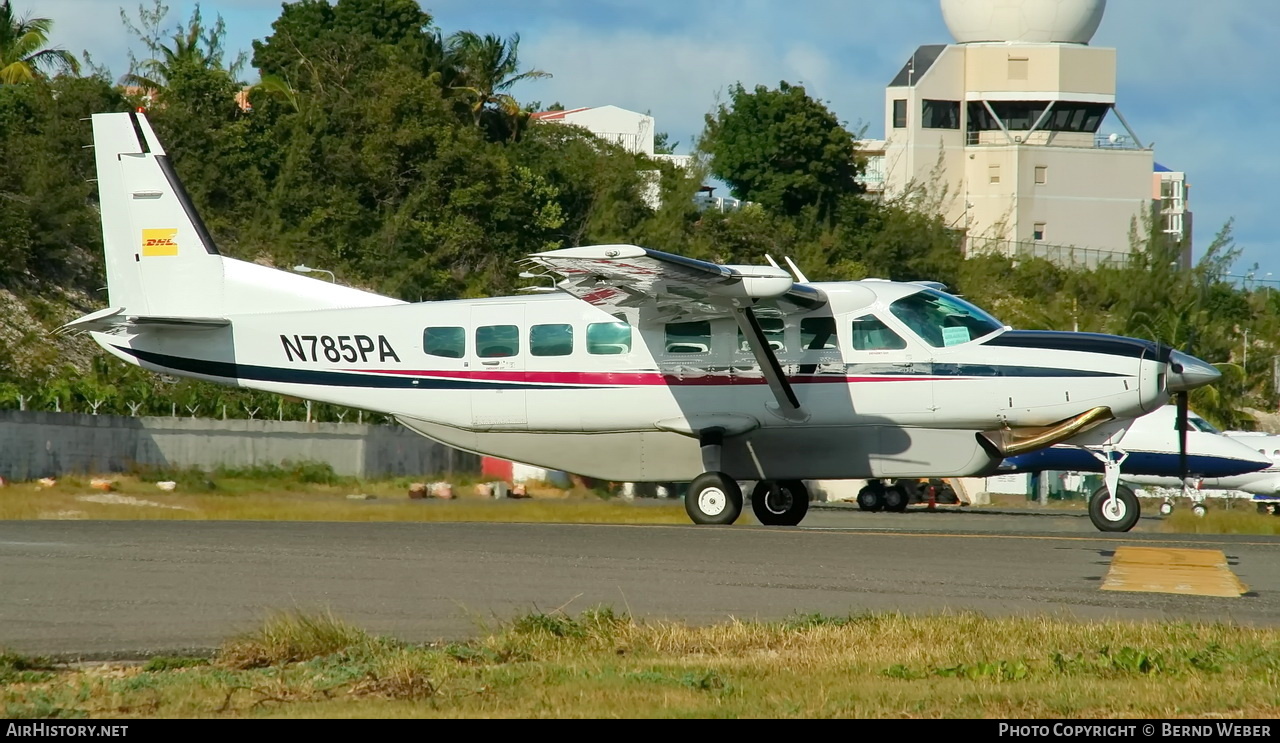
(713, 498)
(781, 503)
(1166, 508)
(1199, 510)
(896, 498)
(1114, 514)
(871, 498)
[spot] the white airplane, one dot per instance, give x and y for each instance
(1263, 485)
(646, 366)
(1151, 450)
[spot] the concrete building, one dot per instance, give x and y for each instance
(1003, 129)
(631, 130)
(634, 132)
(1172, 192)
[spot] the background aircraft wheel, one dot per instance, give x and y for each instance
(783, 505)
(1166, 508)
(1264, 508)
(1118, 514)
(896, 498)
(713, 498)
(1199, 510)
(871, 498)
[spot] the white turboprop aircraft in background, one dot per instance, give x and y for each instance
(1154, 451)
(645, 367)
(1263, 485)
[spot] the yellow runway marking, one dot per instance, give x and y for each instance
(1169, 570)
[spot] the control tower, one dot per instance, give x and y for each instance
(1007, 120)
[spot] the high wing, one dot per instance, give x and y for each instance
(114, 318)
(670, 288)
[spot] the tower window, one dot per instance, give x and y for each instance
(900, 113)
(1037, 232)
(940, 114)
(993, 173)
(1042, 175)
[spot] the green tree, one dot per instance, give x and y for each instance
(23, 54)
(782, 149)
(318, 46)
(489, 67)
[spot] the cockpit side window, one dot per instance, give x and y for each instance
(942, 319)
(871, 334)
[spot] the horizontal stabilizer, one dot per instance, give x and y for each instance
(114, 318)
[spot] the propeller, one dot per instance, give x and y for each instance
(1182, 437)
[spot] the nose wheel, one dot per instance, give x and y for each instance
(1117, 512)
(780, 502)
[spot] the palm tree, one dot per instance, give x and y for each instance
(22, 52)
(487, 68)
(196, 47)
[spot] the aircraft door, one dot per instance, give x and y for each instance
(891, 375)
(498, 350)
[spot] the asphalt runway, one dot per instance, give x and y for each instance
(99, 589)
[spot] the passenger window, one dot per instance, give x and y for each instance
(871, 334)
(450, 342)
(608, 338)
(497, 341)
(818, 333)
(689, 337)
(775, 329)
(551, 340)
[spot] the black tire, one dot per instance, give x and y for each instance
(1124, 515)
(871, 498)
(713, 498)
(896, 498)
(785, 506)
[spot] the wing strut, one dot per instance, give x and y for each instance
(788, 405)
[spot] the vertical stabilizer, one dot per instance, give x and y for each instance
(162, 261)
(159, 255)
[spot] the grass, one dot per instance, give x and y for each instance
(1222, 521)
(602, 664)
(237, 496)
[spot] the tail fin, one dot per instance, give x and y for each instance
(161, 260)
(159, 255)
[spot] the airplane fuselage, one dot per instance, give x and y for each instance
(553, 381)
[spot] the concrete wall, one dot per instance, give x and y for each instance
(40, 444)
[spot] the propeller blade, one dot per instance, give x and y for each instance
(1182, 436)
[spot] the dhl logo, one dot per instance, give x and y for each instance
(159, 242)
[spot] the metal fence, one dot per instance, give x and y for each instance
(1063, 255)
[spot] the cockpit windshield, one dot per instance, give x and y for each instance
(1200, 424)
(942, 319)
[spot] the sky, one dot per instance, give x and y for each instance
(1195, 78)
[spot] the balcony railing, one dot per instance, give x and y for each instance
(1062, 255)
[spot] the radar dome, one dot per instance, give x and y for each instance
(1027, 21)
